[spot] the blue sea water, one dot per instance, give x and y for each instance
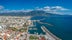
(62, 26)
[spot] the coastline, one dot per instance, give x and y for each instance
(49, 34)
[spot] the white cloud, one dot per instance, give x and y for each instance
(28, 10)
(37, 8)
(47, 7)
(54, 9)
(51, 9)
(15, 11)
(1, 7)
(59, 8)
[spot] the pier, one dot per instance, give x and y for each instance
(49, 35)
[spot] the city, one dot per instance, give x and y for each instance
(16, 28)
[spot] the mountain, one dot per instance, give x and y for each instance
(31, 13)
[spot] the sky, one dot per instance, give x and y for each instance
(36, 4)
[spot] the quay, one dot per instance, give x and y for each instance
(49, 35)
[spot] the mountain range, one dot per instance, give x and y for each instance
(31, 13)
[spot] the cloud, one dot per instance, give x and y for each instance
(47, 8)
(1, 7)
(56, 8)
(37, 8)
(15, 11)
(3, 10)
(59, 8)
(51, 9)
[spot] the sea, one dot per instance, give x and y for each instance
(62, 26)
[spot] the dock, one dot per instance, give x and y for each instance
(49, 35)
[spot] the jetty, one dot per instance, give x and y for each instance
(49, 35)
